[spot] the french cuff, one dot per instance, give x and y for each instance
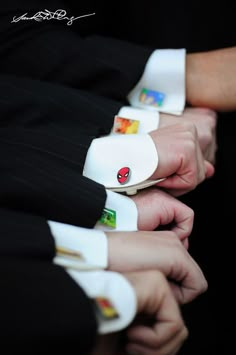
(124, 212)
(121, 162)
(79, 248)
(135, 120)
(113, 287)
(162, 85)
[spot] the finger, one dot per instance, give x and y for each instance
(191, 282)
(209, 169)
(183, 216)
(201, 169)
(175, 183)
(169, 348)
(154, 338)
(167, 318)
(186, 243)
(210, 153)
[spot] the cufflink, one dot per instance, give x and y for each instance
(105, 309)
(151, 97)
(125, 125)
(69, 253)
(123, 175)
(108, 218)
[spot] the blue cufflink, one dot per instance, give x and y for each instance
(151, 97)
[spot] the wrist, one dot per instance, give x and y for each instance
(114, 239)
(193, 79)
(203, 80)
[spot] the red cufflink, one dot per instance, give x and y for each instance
(123, 175)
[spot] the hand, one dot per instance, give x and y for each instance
(166, 331)
(133, 251)
(156, 208)
(205, 120)
(180, 158)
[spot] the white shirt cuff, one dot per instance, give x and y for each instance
(116, 288)
(79, 248)
(164, 73)
(126, 213)
(147, 120)
(108, 155)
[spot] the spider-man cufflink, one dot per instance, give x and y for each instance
(123, 175)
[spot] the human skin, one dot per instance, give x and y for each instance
(180, 159)
(157, 208)
(211, 79)
(158, 250)
(166, 331)
(155, 299)
(205, 121)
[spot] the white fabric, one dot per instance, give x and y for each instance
(116, 288)
(148, 120)
(126, 213)
(164, 72)
(107, 155)
(91, 243)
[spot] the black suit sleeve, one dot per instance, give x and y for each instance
(45, 132)
(41, 307)
(53, 51)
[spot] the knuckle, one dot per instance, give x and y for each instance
(177, 326)
(194, 178)
(204, 285)
(212, 120)
(193, 130)
(208, 136)
(201, 176)
(188, 126)
(209, 112)
(184, 333)
(213, 114)
(191, 214)
(192, 142)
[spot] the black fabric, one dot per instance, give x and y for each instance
(25, 236)
(34, 104)
(66, 120)
(42, 308)
(45, 132)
